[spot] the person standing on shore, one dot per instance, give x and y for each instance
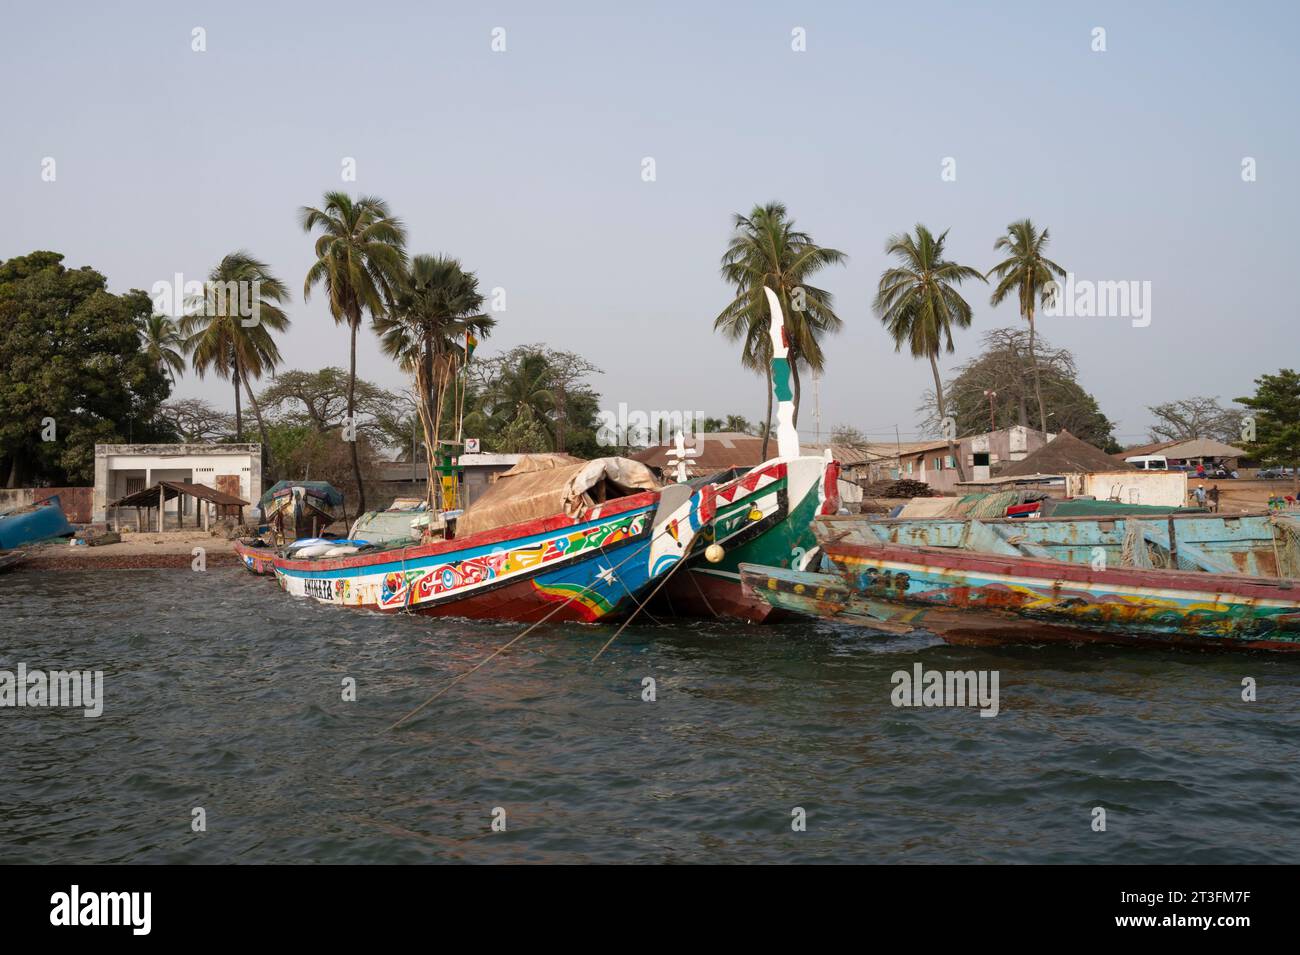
(1214, 498)
(1200, 495)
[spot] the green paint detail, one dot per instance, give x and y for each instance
(779, 545)
(781, 379)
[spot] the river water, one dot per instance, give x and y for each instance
(224, 694)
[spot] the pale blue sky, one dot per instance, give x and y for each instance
(527, 165)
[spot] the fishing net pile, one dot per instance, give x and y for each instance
(1139, 551)
(1286, 536)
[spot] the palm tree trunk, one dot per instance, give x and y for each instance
(938, 399)
(261, 425)
(1033, 364)
(353, 323)
(424, 407)
(767, 422)
(239, 415)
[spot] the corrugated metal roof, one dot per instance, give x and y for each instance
(149, 496)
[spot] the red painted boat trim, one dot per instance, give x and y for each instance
(1241, 585)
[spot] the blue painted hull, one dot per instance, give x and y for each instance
(36, 523)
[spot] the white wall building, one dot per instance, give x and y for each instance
(122, 469)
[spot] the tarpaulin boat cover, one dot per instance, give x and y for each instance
(321, 490)
(545, 485)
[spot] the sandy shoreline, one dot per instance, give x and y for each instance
(134, 552)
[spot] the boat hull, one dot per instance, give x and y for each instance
(983, 598)
(256, 560)
(35, 523)
(1251, 544)
(763, 517)
(586, 569)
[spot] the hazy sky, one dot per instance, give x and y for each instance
(527, 165)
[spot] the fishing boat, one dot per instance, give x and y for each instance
(34, 522)
(986, 582)
(978, 596)
(297, 509)
(608, 537)
(1259, 544)
(257, 556)
(764, 516)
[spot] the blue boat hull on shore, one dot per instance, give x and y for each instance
(36, 522)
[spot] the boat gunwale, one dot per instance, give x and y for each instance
(949, 558)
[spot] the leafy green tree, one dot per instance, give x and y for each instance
(360, 262)
(918, 302)
(231, 331)
(1030, 275)
(70, 360)
(534, 398)
(994, 391)
(1276, 420)
(767, 250)
(319, 399)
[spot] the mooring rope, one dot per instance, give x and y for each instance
(558, 607)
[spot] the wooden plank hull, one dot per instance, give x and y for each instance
(588, 568)
(256, 560)
(1222, 543)
(763, 517)
(983, 598)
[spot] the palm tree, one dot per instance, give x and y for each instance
(766, 250)
(230, 330)
(161, 341)
(522, 395)
(918, 302)
(436, 306)
(1029, 274)
(360, 261)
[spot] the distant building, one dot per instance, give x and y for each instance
(1189, 452)
(394, 479)
(982, 455)
(122, 469)
(718, 451)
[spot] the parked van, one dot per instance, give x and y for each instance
(1149, 462)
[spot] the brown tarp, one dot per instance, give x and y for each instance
(542, 486)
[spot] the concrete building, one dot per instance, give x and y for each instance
(122, 469)
(397, 479)
(981, 455)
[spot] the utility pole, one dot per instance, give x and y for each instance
(990, 395)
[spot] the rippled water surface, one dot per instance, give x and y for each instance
(223, 693)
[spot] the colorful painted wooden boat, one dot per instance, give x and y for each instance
(1261, 545)
(973, 597)
(34, 522)
(597, 564)
(295, 509)
(764, 517)
(257, 556)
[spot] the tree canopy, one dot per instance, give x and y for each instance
(1003, 367)
(72, 370)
